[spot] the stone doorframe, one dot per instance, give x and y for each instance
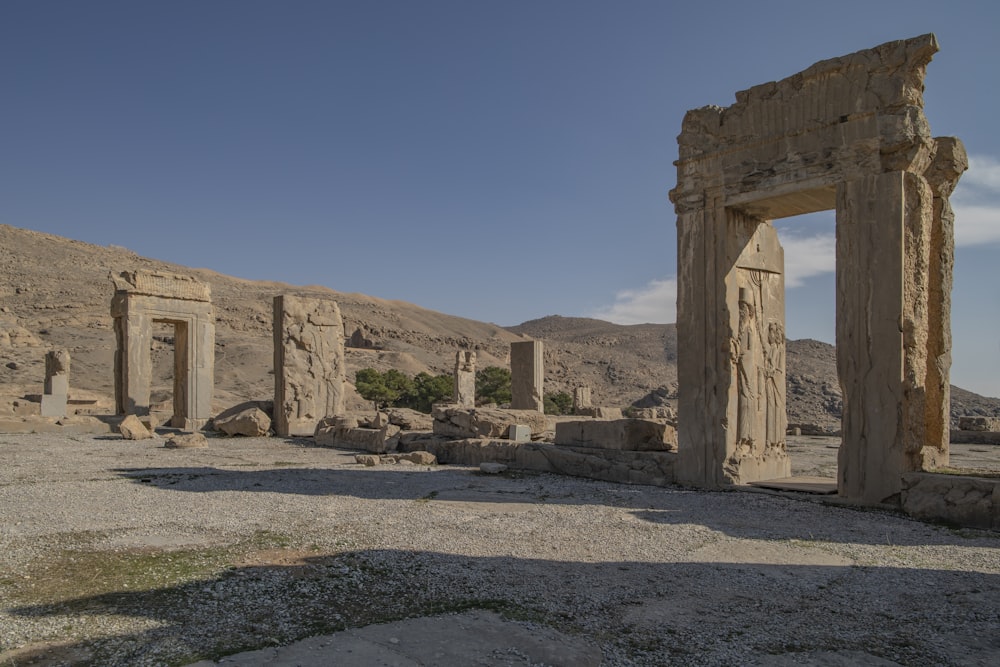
(142, 298)
(847, 134)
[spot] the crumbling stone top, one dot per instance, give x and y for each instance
(886, 80)
(161, 283)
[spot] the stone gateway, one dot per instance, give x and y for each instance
(142, 298)
(847, 134)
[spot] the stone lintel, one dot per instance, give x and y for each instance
(162, 284)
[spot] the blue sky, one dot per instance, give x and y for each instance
(499, 160)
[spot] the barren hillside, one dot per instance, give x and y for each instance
(55, 293)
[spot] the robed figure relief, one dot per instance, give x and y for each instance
(774, 374)
(744, 351)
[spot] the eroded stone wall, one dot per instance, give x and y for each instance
(309, 366)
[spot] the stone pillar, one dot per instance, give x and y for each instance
(891, 331)
(465, 378)
(732, 413)
(527, 375)
(56, 388)
(581, 401)
(309, 365)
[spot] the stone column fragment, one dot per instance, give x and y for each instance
(527, 376)
(465, 378)
(56, 388)
(309, 366)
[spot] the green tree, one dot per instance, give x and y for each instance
(493, 385)
(427, 390)
(380, 389)
(558, 403)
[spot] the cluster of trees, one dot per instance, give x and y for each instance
(399, 390)
(395, 389)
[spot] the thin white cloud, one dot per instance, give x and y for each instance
(808, 256)
(977, 203)
(984, 172)
(654, 303)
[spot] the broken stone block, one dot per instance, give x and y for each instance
(455, 422)
(519, 433)
(410, 420)
(132, 429)
(187, 441)
(338, 432)
(246, 419)
(368, 459)
(419, 458)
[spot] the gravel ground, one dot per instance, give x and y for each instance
(116, 552)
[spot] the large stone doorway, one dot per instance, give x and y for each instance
(141, 299)
(849, 135)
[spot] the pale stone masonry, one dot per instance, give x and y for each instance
(309, 366)
(527, 375)
(582, 403)
(847, 134)
(465, 379)
(56, 387)
(142, 298)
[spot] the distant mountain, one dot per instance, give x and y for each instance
(55, 293)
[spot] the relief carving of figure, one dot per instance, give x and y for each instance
(744, 352)
(774, 373)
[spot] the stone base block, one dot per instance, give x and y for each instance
(53, 405)
(619, 434)
(960, 500)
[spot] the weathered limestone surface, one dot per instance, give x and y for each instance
(309, 363)
(639, 435)
(527, 375)
(582, 403)
(339, 432)
(142, 298)
(186, 441)
(75, 425)
(57, 372)
(665, 413)
(847, 134)
(957, 499)
(465, 378)
(455, 422)
(248, 419)
(133, 429)
(978, 423)
(653, 468)
(410, 420)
